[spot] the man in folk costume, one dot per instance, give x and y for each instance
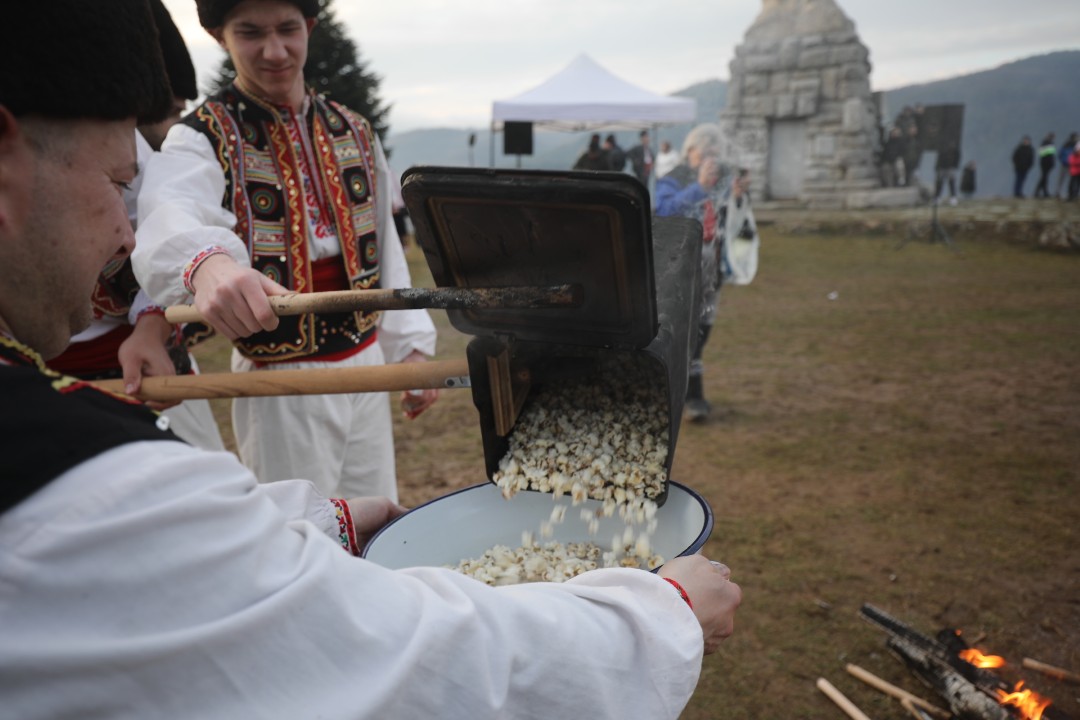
(143, 577)
(129, 336)
(268, 188)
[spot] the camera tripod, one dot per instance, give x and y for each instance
(937, 231)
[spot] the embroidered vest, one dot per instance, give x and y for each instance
(115, 289)
(53, 422)
(264, 190)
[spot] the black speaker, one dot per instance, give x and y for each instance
(517, 138)
(942, 126)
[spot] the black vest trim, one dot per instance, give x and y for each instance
(53, 422)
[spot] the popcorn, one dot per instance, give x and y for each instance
(602, 437)
(548, 562)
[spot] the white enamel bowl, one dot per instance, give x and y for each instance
(465, 523)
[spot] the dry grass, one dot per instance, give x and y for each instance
(914, 443)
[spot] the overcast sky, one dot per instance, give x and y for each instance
(443, 62)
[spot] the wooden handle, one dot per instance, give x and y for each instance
(316, 381)
(841, 701)
(407, 299)
(889, 689)
(1054, 672)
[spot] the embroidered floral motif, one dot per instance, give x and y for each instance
(346, 529)
(198, 260)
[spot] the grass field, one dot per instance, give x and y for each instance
(893, 426)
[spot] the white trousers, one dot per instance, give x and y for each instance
(343, 443)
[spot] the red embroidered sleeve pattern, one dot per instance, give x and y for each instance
(193, 265)
(346, 529)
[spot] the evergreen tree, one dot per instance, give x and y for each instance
(333, 68)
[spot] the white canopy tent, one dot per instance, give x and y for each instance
(584, 95)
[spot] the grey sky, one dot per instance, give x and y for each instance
(443, 62)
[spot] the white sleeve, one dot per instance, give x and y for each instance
(141, 302)
(180, 215)
(400, 331)
(156, 573)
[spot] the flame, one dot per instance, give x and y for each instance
(979, 660)
(1030, 703)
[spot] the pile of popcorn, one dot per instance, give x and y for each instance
(602, 437)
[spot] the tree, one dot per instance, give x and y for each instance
(333, 68)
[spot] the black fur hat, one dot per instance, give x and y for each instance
(212, 12)
(79, 59)
(178, 64)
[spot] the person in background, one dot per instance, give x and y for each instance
(268, 188)
(948, 160)
(967, 180)
(1046, 154)
(1063, 164)
(666, 160)
(700, 187)
(148, 578)
(892, 155)
(641, 158)
(1023, 158)
(129, 336)
(912, 154)
(1074, 172)
(615, 154)
(595, 157)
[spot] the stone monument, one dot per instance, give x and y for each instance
(801, 112)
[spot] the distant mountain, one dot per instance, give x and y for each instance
(1032, 97)
(1028, 97)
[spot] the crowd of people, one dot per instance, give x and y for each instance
(902, 148)
(704, 183)
(1046, 156)
(641, 160)
(149, 577)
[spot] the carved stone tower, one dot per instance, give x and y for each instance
(800, 108)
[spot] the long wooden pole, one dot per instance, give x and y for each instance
(1054, 672)
(316, 381)
(889, 689)
(448, 298)
(841, 700)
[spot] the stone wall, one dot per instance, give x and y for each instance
(1047, 224)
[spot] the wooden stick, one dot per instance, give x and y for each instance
(316, 381)
(889, 689)
(910, 707)
(407, 299)
(842, 702)
(1054, 672)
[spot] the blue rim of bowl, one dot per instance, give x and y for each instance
(696, 545)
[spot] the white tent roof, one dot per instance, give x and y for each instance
(586, 94)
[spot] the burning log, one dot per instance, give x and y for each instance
(970, 689)
(965, 699)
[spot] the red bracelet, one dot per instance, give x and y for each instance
(682, 592)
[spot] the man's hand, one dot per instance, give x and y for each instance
(370, 514)
(145, 352)
(233, 298)
(414, 402)
(715, 598)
